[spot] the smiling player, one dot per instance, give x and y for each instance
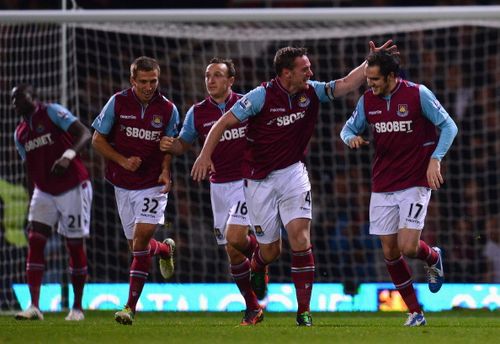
(402, 116)
(127, 134)
(281, 114)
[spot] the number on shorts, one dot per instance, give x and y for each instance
(75, 221)
(419, 206)
(243, 209)
(150, 205)
(308, 197)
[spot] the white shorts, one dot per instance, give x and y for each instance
(70, 210)
(391, 211)
(229, 207)
(284, 195)
(140, 206)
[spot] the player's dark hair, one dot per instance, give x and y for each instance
(387, 62)
(26, 88)
(145, 64)
(231, 70)
(285, 58)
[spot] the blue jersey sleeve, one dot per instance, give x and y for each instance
(321, 90)
(104, 122)
(250, 104)
(173, 124)
(60, 116)
(188, 132)
(434, 111)
(356, 124)
(20, 147)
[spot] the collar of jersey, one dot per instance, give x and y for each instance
(223, 104)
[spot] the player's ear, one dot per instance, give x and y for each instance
(388, 78)
(286, 73)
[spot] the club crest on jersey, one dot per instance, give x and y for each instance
(157, 121)
(62, 114)
(258, 231)
(303, 101)
(402, 110)
(218, 234)
(40, 128)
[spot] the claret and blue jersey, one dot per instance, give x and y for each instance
(403, 125)
(228, 154)
(135, 130)
(41, 140)
(280, 124)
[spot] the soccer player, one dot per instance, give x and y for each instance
(281, 114)
(402, 116)
(48, 139)
(127, 133)
(231, 223)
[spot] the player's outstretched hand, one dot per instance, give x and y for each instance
(391, 48)
(132, 163)
(434, 177)
(357, 141)
(60, 166)
(201, 167)
(167, 144)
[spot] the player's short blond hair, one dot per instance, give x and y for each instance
(145, 64)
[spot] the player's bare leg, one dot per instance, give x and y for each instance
(299, 236)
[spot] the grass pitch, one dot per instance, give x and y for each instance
(462, 326)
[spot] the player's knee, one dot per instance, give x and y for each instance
(300, 242)
(40, 228)
(37, 237)
(270, 252)
(409, 251)
(236, 240)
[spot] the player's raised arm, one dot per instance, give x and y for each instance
(203, 163)
(356, 77)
